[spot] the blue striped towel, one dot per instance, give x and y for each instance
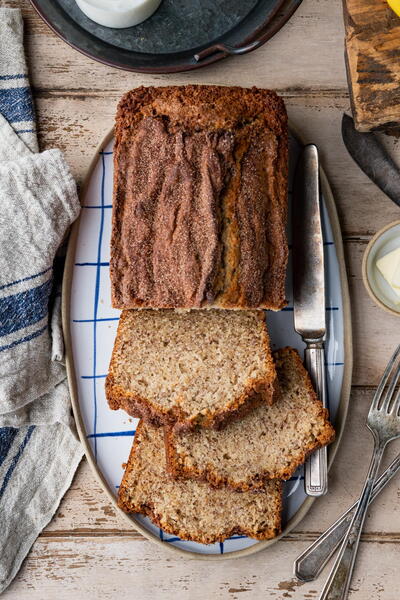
(39, 450)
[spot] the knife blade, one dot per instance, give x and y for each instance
(309, 294)
(370, 155)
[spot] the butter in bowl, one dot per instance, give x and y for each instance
(381, 268)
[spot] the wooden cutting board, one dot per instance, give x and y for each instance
(373, 63)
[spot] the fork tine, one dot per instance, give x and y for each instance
(384, 380)
(391, 390)
(396, 404)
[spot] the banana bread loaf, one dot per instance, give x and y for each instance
(200, 199)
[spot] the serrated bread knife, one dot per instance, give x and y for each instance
(309, 294)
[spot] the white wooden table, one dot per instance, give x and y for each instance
(88, 551)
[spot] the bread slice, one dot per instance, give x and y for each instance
(190, 368)
(191, 509)
(270, 442)
(200, 198)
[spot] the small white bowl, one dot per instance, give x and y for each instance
(118, 14)
(383, 242)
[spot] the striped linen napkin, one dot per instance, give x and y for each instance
(39, 450)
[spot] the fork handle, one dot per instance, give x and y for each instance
(338, 583)
(310, 563)
(316, 467)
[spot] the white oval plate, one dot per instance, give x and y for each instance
(90, 326)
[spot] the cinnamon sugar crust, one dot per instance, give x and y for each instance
(200, 199)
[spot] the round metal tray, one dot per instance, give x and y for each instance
(180, 36)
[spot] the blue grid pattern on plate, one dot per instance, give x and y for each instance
(110, 435)
(96, 304)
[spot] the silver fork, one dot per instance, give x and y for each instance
(384, 423)
(310, 563)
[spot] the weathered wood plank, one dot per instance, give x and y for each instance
(373, 54)
(110, 568)
(316, 28)
(86, 509)
(77, 123)
(362, 207)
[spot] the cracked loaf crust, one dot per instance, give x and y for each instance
(191, 368)
(190, 509)
(200, 199)
(270, 442)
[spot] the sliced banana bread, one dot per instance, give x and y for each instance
(270, 442)
(190, 368)
(191, 509)
(200, 198)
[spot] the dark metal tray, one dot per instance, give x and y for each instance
(181, 35)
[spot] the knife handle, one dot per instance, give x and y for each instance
(316, 467)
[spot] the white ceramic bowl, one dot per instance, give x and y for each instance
(383, 242)
(118, 13)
